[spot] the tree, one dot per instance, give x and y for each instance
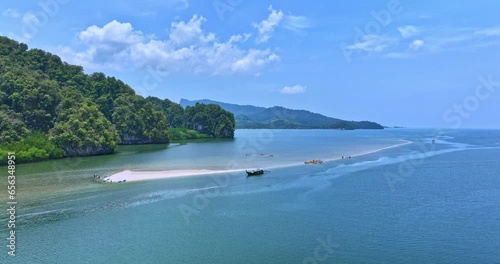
(12, 129)
(210, 119)
(81, 129)
(138, 121)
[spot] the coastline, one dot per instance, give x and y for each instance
(144, 175)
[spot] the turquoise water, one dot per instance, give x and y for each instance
(400, 199)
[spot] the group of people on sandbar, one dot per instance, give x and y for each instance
(98, 178)
(313, 162)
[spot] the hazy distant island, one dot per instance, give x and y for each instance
(50, 109)
(277, 117)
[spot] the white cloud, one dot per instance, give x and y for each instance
(296, 89)
(109, 45)
(239, 38)
(253, 58)
(277, 18)
(182, 33)
(408, 31)
(112, 33)
(447, 39)
(296, 23)
(437, 39)
(84, 58)
(409, 53)
(30, 18)
(416, 44)
(266, 27)
(11, 12)
(371, 43)
(187, 49)
(490, 32)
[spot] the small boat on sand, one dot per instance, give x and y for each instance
(106, 179)
(255, 172)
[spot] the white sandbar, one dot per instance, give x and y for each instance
(130, 176)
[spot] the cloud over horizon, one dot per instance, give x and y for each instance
(296, 89)
(187, 49)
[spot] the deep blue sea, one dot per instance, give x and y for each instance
(399, 199)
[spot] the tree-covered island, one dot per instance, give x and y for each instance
(51, 109)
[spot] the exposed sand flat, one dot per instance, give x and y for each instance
(130, 176)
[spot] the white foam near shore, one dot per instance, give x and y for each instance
(130, 176)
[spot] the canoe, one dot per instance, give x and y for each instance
(255, 172)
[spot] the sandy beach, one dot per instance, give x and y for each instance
(130, 176)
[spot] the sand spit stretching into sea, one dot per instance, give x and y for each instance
(131, 176)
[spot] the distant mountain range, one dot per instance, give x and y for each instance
(277, 117)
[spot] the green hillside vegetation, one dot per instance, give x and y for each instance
(208, 119)
(181, 134)
(51, 109)
(255, 117)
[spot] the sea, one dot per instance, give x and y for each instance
(379, 196)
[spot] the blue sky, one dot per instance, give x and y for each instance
(396, 62)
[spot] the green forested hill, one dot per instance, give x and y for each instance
(249, 116)
(50, 109)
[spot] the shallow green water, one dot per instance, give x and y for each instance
(414, 203)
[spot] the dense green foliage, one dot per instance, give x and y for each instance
(33, 147)
(12, 129)
(81, 129)
(182, 134)
(210, 119)
(207, 119)
(248, 116)
(138, 121)
(75, 114)
(174, 112)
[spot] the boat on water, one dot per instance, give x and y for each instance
(255, 172)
